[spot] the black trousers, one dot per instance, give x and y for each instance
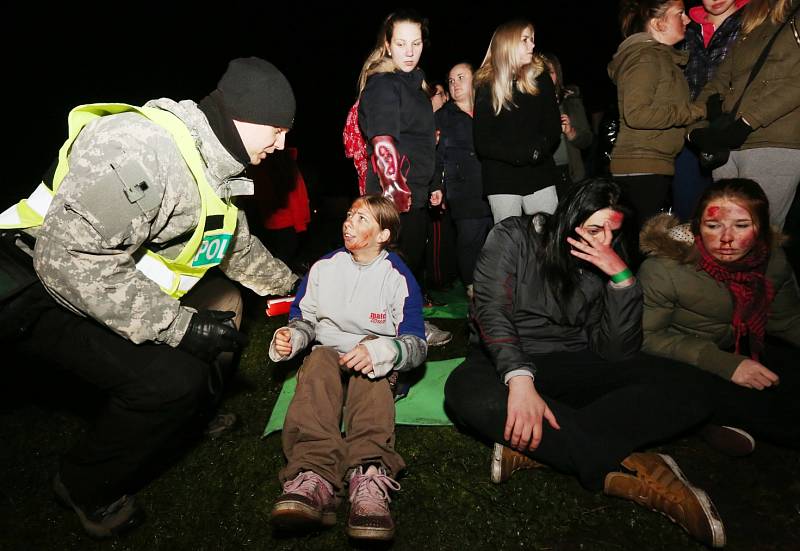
(647, 194)
(772, 414)
(413, 240)
(606, 410)
(441, 255)
(470, 236)
(153, 393)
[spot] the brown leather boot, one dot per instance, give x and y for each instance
(659, 484)
(506, 462)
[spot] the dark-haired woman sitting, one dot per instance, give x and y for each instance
(553, 369)
(713, 291)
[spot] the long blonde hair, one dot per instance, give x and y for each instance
(379, 60)
(757, 11)
(502, 70)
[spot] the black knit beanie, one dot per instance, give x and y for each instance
(255, 91)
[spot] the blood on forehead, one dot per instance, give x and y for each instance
(727, 210)
(615, 217)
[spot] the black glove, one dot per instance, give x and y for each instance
(736, 134)
(713, 107)
(706, 139)
(210, 333)
(712, 139)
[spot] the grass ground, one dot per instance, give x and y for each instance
(219, 493)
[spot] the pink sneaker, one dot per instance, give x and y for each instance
(370, 517)
(307, 501)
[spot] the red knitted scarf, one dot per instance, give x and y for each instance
(752, 291)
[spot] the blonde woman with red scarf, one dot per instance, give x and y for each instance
(720, 294)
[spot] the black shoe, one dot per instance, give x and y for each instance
(105, 522)
(728, 440)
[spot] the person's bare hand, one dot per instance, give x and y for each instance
(567, 129)
(752, 374)
(283, 341)
(524, 415)
(596, 249)
(436, 198)
(358, 359)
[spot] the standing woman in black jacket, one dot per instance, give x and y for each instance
(396, 118)
(458, 168)
(517, 124)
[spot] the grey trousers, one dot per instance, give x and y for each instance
(777, 171)
(505, 205)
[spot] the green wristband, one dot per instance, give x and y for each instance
(622, 276)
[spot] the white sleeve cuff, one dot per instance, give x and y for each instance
(517, 373)
(624, 284)
(297, 345)
(383, 353)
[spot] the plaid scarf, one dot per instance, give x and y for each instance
(752, 291)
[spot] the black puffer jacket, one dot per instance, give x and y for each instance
(457, 166)
(393, 104)
(516, 316)
(505, 142)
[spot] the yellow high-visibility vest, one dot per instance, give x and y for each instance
(203, 250)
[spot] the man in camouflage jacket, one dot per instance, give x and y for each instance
(155, 356)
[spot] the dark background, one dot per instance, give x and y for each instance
(135, 52)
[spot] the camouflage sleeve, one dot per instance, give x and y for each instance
(84, 251)
(252, 265)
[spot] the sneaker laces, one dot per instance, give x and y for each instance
(656, 488)
(371, 491)
(306, 483)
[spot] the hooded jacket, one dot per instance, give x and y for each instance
(654, 106)
(771, 104)
(687, 313)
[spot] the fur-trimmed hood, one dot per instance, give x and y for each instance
(665, 236)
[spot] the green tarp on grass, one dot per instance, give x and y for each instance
(454, 304)
(424, 404)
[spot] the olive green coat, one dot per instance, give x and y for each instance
(687, 314)
(654, 106)
(771, 103)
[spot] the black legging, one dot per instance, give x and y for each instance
(606, 410)
(773, 413)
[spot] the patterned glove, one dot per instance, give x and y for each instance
(386, 163)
